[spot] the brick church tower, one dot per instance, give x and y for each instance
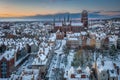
(84, 18)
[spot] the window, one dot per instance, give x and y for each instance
(4, 69)
(103, 74)
(4, 64)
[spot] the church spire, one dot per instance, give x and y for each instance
(68, 18)
(54, 20)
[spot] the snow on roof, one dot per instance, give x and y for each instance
(72, 38)
(104, 67)
(2, 34)
(79, 68)
(1, 43)
(102, 35)
(37, 61)
(58, 24)
(77, 34)
(52, 37)
(67, 23)
(26, 75)
(111, 39)
(118, 61)
(112, 73)
(73, 34)
(18, 43)
(42, 56)
(87, 70)
(17, 62)
(118, 77)
(58, 31)
(96, 26)
(118, 22)
(31, 43)
(71, 71)
(4, 78)
(41, 24)
(8, 54)
(77, 75)
(83, 33)
(76, 24)
(33, 74)
(88, 41)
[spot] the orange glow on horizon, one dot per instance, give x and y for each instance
(25, 13)
(12, 11)
(17, 14)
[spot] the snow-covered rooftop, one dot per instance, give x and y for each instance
(8, 55)
(58, 24)
(76, 24)
(52, 37)
(41, 58)
(26, 75)
(96, 26)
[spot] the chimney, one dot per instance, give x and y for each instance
(102, 63)
(21, 78)
(118, 70)
(7, 55)
(115, 66)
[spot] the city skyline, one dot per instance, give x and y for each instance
(20, 8)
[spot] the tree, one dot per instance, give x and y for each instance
(65, 50)
(113, 51)
(78, 59)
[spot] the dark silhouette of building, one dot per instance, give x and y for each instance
(84, 18)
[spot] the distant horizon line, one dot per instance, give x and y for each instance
(21, 20)
(52, 14)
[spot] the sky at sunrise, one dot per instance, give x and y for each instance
(18, 8)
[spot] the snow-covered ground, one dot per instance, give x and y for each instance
(70, 59)
(56, 61)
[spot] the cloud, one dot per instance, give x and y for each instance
(106, 13)
(110, 13)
